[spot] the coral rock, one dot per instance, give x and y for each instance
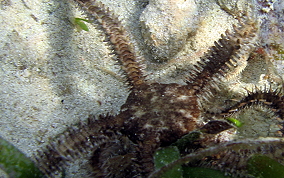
(166, 25)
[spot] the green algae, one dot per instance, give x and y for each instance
(15, 163)
(80, 24)
(236, 122)
(265, 167)
(165, 156)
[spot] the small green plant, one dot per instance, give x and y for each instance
(80, 24)
(236, 122)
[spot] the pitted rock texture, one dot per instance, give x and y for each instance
(166, 25)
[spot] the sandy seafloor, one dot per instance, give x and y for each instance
(53, 76)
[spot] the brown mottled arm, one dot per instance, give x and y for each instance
(116, 34)
(224, 56)
(78, 142)
(269, 98)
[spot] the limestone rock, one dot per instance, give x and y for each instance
(166, 25)
(236, 7)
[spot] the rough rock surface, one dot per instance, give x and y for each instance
(166, 25)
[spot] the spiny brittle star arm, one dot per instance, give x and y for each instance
(116, 34)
